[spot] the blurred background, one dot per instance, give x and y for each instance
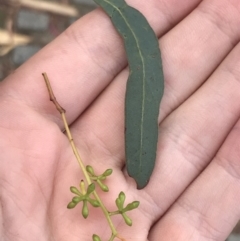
(27, 25)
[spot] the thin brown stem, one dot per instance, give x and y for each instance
(62, 111)
(51, 94)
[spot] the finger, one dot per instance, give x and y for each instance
(191, 136)
(209, 209)
(99, 132)
(195, 47)
(83, 60)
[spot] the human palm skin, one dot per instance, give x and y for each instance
(194, 191)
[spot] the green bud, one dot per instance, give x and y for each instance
(90, 188)
(77, 199)
(122, 197)
(75, 191)
(82, 187)
(132, 206)
(85, 211)
(96, 237)
(108, 172)
(119, 204)
(103, 186)
(127, 220)
(95, 203)
(101, 177)
(120, 200)
(90, 170)
(71, 205)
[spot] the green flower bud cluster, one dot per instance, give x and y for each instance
(121, 210)
(89, 196)
(99, 178)
(83, 196)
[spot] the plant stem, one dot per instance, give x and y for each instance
(114, 213)
(80, 162)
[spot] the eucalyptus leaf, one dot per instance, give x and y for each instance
(144, 88)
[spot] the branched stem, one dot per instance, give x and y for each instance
(114, 213)
(88, 179)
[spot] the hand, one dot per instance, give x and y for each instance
(194, 191)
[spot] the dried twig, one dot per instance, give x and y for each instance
(56, 8)
(9, 41)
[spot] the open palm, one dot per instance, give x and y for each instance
(194, 191)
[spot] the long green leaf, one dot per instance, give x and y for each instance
(144, 88)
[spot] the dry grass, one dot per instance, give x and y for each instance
(9, 39)
(61, 13)
(56, 8)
